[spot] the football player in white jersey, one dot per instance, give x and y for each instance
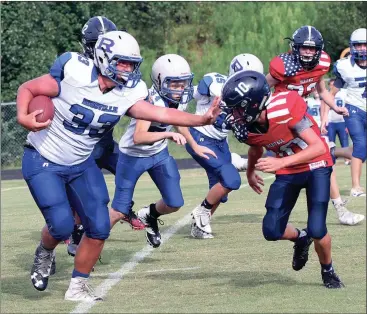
(105, 152)
(222, 174)
(89, 98)
(351, 74)
(143, 148)
(345, 217)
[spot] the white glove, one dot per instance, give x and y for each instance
(239, 162)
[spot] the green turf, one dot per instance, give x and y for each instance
(236, 272)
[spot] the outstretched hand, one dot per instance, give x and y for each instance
(213, 112)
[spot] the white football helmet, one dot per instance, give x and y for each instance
(113, 47)
(358, 37)
(246, 62)
(169, 69)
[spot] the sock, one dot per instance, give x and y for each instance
(153, 211)
(44, 248)
(206, 204)
(337, 201)
(327, 267)
(79, 274)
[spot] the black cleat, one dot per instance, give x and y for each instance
(41, 268)
(153, 235)
(53, 267)
(75, 239)
(331, 280)
(301, 248)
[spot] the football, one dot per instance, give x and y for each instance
(42, 103)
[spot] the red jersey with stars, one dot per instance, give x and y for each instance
(291, 76)
(287, 113)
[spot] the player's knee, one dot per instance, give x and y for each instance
(230, 178)
(271, 227)
(360, 151)
(98, 229)
(175, 203)
(317, 232)
(61, 228)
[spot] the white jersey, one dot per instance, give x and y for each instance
(208, 88)
(83, 114)
(354, 79)
(314, 107)
(127, 145)
(339, 101)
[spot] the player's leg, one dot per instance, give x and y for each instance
(166, 177)
(344, 140)
(88, 185)
(356, 124)
(47, 187)
(282, 197)
(331, 131)
(318, 194)
(221, 167)
(129, 169)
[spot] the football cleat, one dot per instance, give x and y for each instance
(331, 280)
(133, 220)
(53, 267)
(198, 233)
(357, 192)
(41, 268)
(301, 248)
(202, 217)
(75, 239)
(79, 290)
(153, 235)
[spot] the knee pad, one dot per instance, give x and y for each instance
(99, 230)
(317, 232)
(271, 228)
(224, 199)
(61, 228)
(230, 178)
(175, 202)
(359, 151)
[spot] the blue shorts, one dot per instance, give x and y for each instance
(52, 186)
(338, 128)
(163, 170)
(283, 195)
(217, 169)
(356, 124)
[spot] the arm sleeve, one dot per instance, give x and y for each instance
(339, 82)
(303, 124)
(57, 69)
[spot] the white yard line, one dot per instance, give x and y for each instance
(126, 268)
(14, 188)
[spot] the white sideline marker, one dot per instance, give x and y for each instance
(115, 278)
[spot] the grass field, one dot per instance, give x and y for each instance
(236, 272)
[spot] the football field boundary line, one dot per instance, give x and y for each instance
(126, 268)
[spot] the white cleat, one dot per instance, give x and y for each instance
(202, 217)
(357, 192)
(349, 218)
(80, 291)
(198, 233)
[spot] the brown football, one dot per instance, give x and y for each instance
(42, 103)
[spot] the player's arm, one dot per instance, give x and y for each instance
(43, 85)
(145, 111)
(198, 149)
(271, 80)
(142, 135)
(254, 154)
(324, 116)
(328, 98)
(276, 71)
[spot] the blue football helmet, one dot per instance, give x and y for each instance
(244, 95)
(97, 25)
(307, 36)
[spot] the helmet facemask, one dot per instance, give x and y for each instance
(307, 62)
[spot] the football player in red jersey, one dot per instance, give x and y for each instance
(302, 70)
(280, 123)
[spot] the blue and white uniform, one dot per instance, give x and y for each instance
(336, 124)
(214, 136)
(314, 109)
(154, 158)
(57, 161)
(353, 78)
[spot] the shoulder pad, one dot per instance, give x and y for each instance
(74, 69)
(139, 92)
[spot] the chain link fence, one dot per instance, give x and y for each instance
(13, 137)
